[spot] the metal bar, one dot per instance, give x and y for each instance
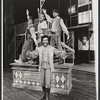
(5, 41)
(73, 46)
(74, 16)
(88, 30)
(64, 42)
(40, 5)
(15, 42)
(86, 25)
(59, 6)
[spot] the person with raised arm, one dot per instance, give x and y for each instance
(30, 40)
(42, 27)
(46, 54)
(57, 26)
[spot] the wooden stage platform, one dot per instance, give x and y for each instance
(83, 88)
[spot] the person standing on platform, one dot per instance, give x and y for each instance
(57, 26)
(42, 28)
(46, 67)
(30, 40)
(31, 28)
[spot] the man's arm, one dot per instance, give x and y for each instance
(49, 19)
(27, 13)
(64, 28)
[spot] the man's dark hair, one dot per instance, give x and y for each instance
(54, 10)
(44, 36)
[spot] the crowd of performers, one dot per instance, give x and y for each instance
(44, 46)
(33, 39)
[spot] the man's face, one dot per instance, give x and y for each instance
(41, 17)
(45, 42)
(28, 36)
(30, 21)
(55, 14)
(84, 40)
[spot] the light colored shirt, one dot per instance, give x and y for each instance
(82, 46)
(46, 55)
(53, 20)
(41, 27)
(85, 47)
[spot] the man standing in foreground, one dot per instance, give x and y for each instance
(46, 67)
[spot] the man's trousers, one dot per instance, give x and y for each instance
(46, 77)
(56, 40)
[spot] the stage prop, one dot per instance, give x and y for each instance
(27, 77)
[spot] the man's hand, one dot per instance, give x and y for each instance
(67, 35)
(44, 11)
(27, 12)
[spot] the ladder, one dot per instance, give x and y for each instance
(11, 48)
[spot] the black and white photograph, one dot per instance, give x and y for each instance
(49, 49)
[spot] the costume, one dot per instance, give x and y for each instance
(46, 66)
(31, 30)
(42, 29)
(57, 26)
(29, 44)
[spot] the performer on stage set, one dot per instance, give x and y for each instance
(30, 40)
(31, 28)
(84, 45)
(42, 27)
(57, 26)
(46, 67)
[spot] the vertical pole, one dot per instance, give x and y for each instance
(88, 28)
(5, 38)
(70, 15)
(70, 28)
(64, 42)
(15, 42)
(59, 6)
(73, 46)
(40, 6)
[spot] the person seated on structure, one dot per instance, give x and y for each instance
(30, 39)
(29, 44)
(42, 27)
(46, 54)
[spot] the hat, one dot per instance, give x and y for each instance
(55, 11)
